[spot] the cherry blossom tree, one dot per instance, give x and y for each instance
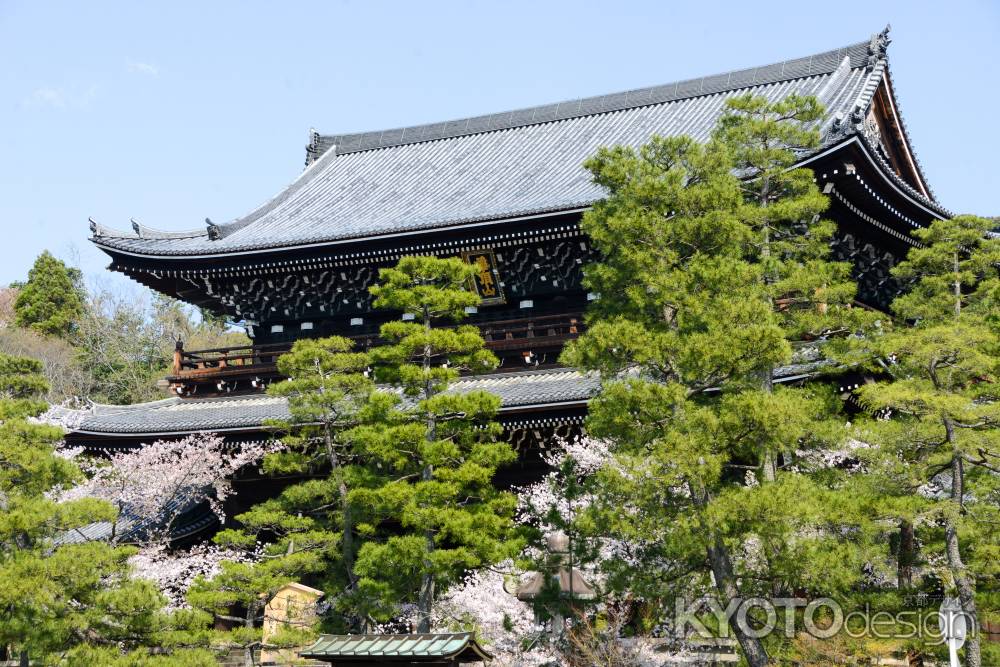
(173, 571)
(552, 502)
(154, 485)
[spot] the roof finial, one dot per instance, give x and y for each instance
(136, 227)
(878, 46)
(213, 230)
(312, 148)
(95, 228)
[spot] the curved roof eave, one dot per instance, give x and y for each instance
(847, 85)
(890, 177)
(471, 224)
(907, 143)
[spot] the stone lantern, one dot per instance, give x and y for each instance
(573, 588)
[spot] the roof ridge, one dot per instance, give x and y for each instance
(787, 70)
(518, 373)
(111, 408)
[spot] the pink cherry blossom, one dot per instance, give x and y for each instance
(162, 480)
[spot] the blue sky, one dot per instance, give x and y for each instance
(174, 112)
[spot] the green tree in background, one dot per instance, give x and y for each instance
(107, 346)
(118, 350)
(125, 345)
(937, 442)
(58, 600)
(51, 301)
(171, 320)
(438, 451)
(705, 282)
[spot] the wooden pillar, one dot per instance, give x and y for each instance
(178, 356)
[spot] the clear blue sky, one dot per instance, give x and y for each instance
(170, 112)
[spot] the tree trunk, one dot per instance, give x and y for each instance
(966, 587)
(768, 458)
(23, 660)
(248, 660)
(957, 284)
(905, 556)
(768, 461)
(963, 582)
(725, 582)
(347, 527)
(425, 599)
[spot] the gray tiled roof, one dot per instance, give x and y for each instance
(177, 415)
(495, 167)
(132, 529)
(516, 390)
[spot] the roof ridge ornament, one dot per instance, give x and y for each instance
(312, 148)
(845, 125)
(878, 46)
(214, 233)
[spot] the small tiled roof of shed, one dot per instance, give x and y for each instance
(500, 166)
(411, 648)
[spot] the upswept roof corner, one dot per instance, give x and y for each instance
(879, 46)
(507, 165)
(906, 138)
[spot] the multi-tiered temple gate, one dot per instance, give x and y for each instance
(506, 192)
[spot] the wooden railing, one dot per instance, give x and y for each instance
(504, 337)
(544, 330)
(218, 360)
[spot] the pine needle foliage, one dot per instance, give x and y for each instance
(61, 600)
(782, 209)
(936, 433)
(307, 531)
(438, 450)
(714, 261)
(328, 386)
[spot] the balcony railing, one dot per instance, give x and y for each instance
(507, 338)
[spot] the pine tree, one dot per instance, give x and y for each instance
(57, 598)
(938, 437)
(50, 302)
(276, 548)
(782, 206)
(438, 450)
(327, 387)
(705, 279)
(306, 531)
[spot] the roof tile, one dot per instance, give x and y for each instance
(516, 390)
(177, 415)
(492, 167)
